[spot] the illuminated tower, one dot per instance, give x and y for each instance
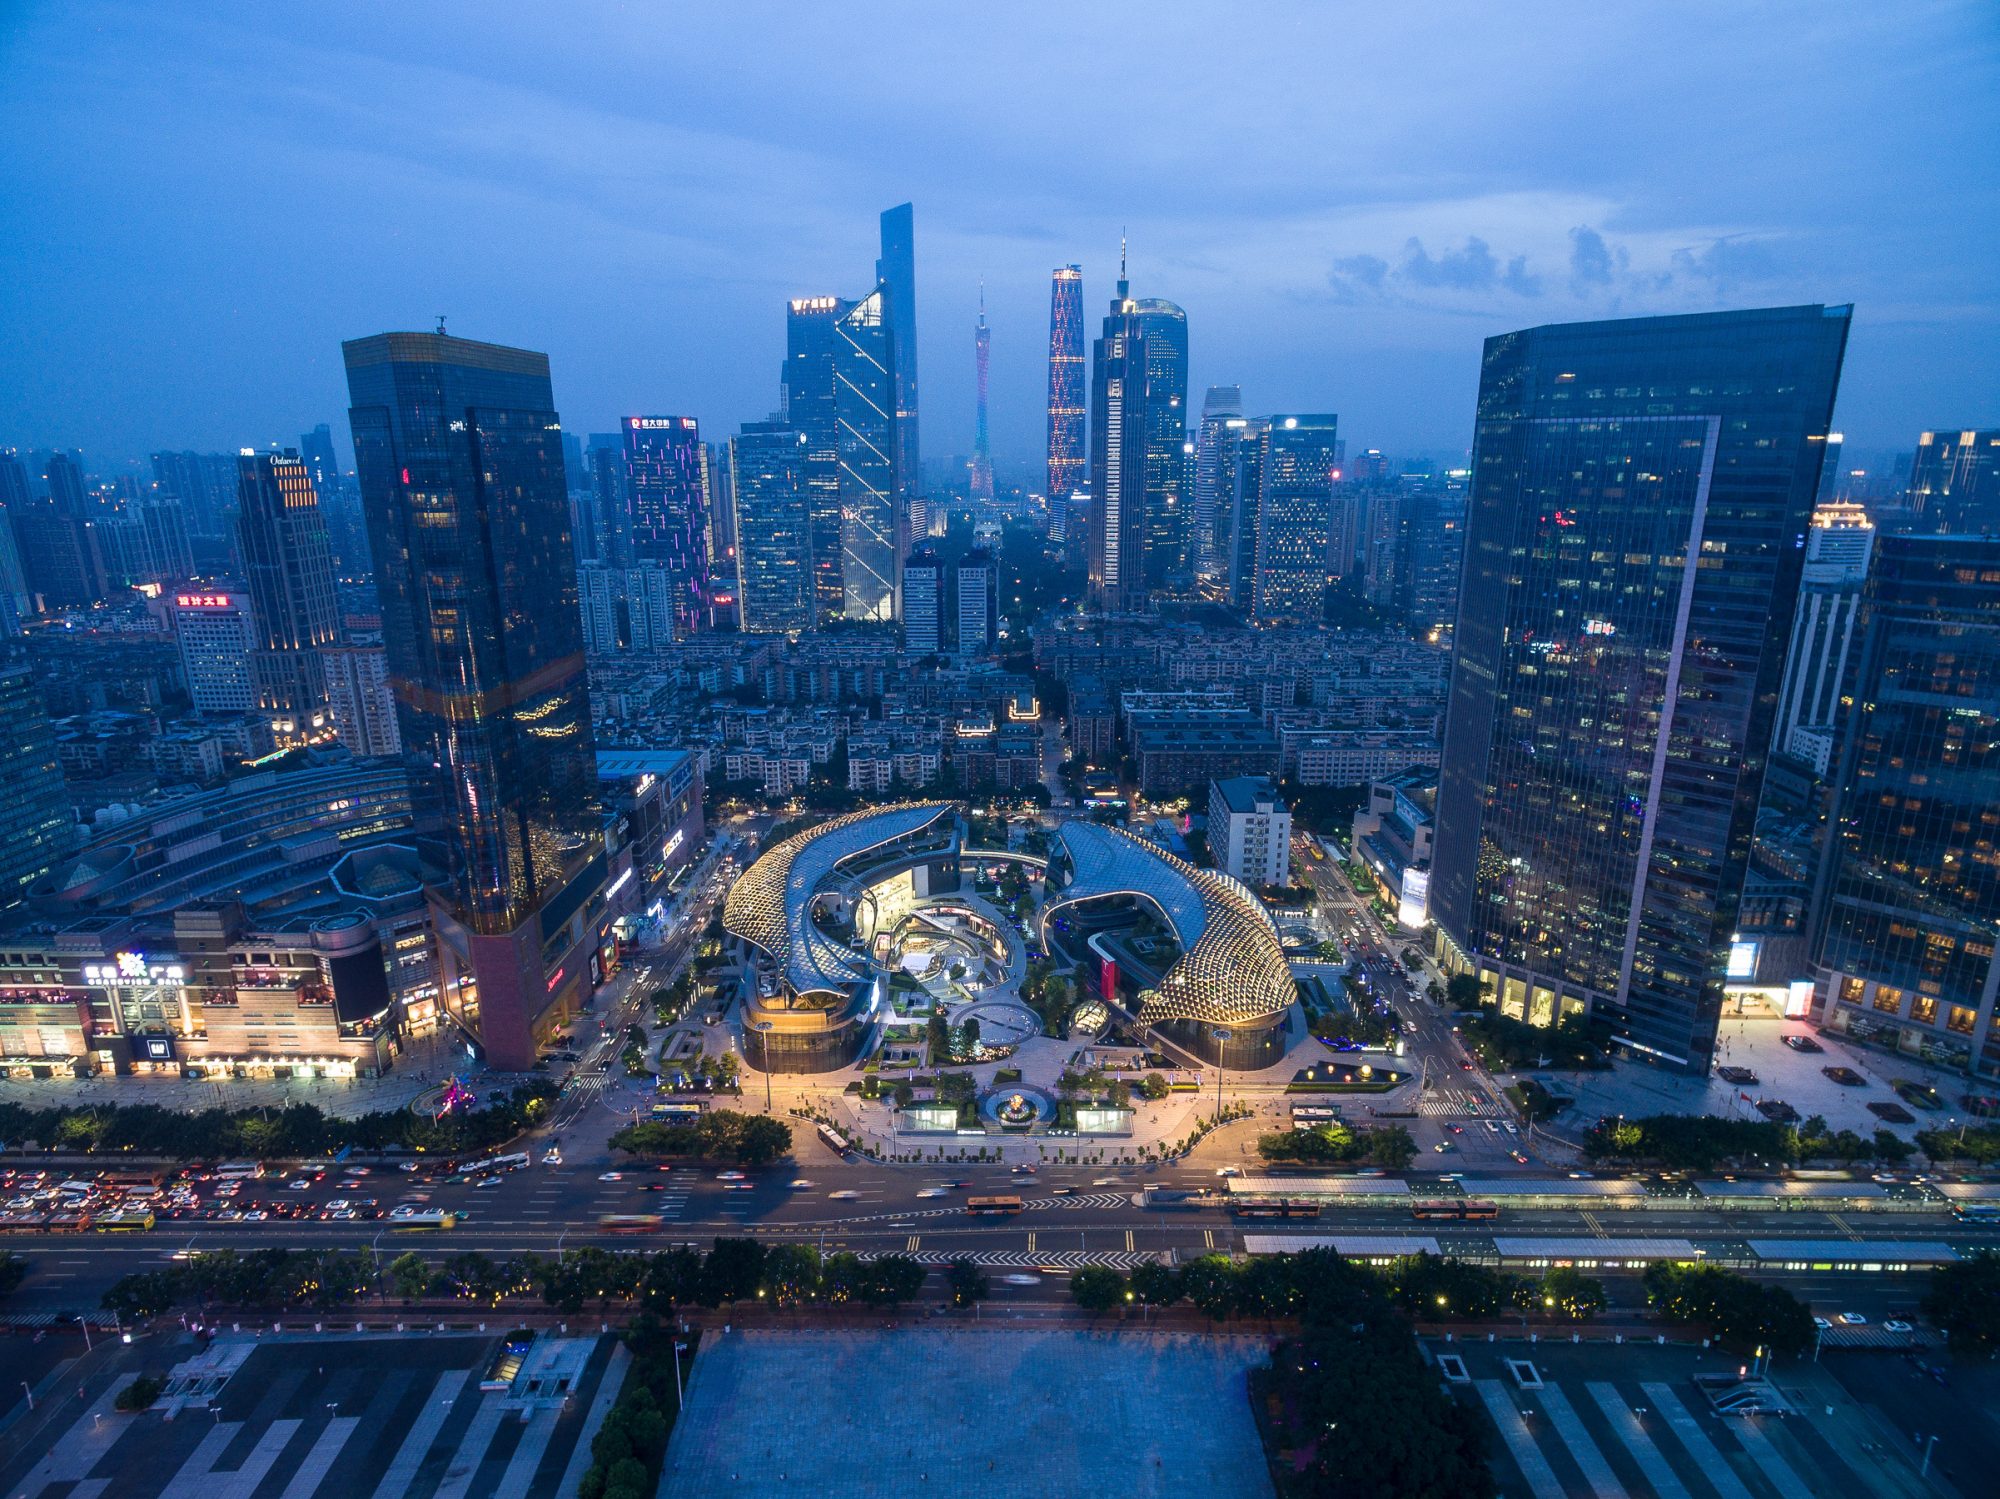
(289, 564)
(982, 455)
(1066, 375)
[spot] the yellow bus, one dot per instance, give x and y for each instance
(993, 1204)
(126, 1221)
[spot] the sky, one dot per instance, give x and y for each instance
(202, 200)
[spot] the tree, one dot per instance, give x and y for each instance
(732, 1271)
(1155, 1283)
(1153, 1087)
(1435, 1289)
(1097, 1288)
(1742, 1313)
(966, 1282)
(791, 1274)
(1567, 1292)
(1463, 991)
(1964, 1302)
(892, 1279)
(13, 1270)
(1209, 1283)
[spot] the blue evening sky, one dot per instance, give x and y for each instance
(204, 199)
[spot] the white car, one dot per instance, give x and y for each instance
(612, 1176)
(1896, 1325)
(303, 1184)
(1021, 1280)
(1228, 1170)
(552, 1157)
(729, 1176)
(486, 1181)
(1853, 1319)
(845, 1194)
(932, 1192)
(799, 1184)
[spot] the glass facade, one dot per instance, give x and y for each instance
(1169, 505)
(1295, 512)
(1955, 483)
(1066, 385)
(810, 382)
(896, 275)
(36, 829)
(665, 477)
(459, 456)
(865, 441)
(289, 564)
(1634, 541)
(1911, 907)
(768, 464)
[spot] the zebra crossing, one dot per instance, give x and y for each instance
(1103, 1201)
(1451, 1103)
(1030, 1259)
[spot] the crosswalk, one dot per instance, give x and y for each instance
(1607, 1439)
(1029, 1259)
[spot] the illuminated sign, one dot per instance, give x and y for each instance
(1599, 627)
(814, 304)
(1742, 960)
(202, 600)
(131, 971)
(1798, 998)
(664, 423)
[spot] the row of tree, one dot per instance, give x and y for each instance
(719, 1134)
(296, 1132)
(1698, 1142)
(1745, 1314)
(1335, 1143)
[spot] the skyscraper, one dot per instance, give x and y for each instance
(669, 507)
(290, 573)
(16, 601)
(205, 484)
(1839, 543)
(36, 827)
(1909, 910)
(457, 449)
(982, 452)
(1066, 390)
(1222, 404)
(1118, 458)
(1294, 513)
(978, 603)
(60, 551)
(1639, 501)
(1955, 483)
(810, 386)
(1169, 529)
(216, 635)
(923, 601)
(896, 276)
(774, 537)
(1240, 493)
(873, 526)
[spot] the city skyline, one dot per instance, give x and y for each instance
(1363, 287)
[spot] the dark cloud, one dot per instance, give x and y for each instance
(1468, 269)
(1590, 259)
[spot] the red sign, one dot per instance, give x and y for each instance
(1107, 980)
(202, 600)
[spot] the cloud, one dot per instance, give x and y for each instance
(1471, 268)
(1728, 262)
(1463, 270)
(1591, 260)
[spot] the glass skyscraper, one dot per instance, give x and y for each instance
(1635, 535)
(289, 567)
(669, 506)
(1294, 514)
(810, 384)
(459, 456)
(774, 551)
(1910, 909)
(1955, 483)
(1067, 458)
(1169, 505)
(36, 828)
(896, 276)
(1138, 517)
(872, 524)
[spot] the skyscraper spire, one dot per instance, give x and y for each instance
(982, 457)
(1124, 286)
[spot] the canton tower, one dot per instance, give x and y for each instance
(982, 454)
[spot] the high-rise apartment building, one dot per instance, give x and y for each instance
(896, 278)
(1067, 413)
(61, 552)
(290, 573)
(1239, 493)
(361, 700)
(1955, 483)
(17, 601)
(664, 478)
(1250, 830)
(775, 558)
(1434, 550)
(608, 536)
(1294, 516)
(923, 602)
(36, 828)
(205, 484)
(1640, 496)
(1839, 543)
(1908, 914)
(982, 451)
(458, 452)
(978, 609)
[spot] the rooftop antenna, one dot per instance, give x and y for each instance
(1124, 286)
(440, 327)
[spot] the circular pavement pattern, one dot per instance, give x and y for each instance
(1001, 1023)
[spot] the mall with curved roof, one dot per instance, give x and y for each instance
(1215, 982)
(802, 912)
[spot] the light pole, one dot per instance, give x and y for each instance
(1220, 1036)
(763, 1029)
(1925, 1470)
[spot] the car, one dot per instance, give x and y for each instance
(1519, 1159)
(738, 1187)
(611, 1176)
(1896, 1324)
(1021, 1278)
(256, 1215)
(1579, 1176)
(1853, 1319)
(303, 1184)
(1491, 1127)
(486, 1181)
(1465, 1066)
(729, 1176)
(1456, 1129)
(1062, 1191)
(1802, 1043)
(799, 1183)
(1027, 1170)
(337, 1204)
(845, 1194)
(1228, 1170)
(1822, 1324)
(1442, 1146)
(931, 1192)
(552, 1157)
(408, 1166)
(958, 1186)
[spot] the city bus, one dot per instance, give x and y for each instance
(1977, 1212)
(428, 1218)
(1455, 1207)
(1272, 1207)
(238, 1171)
(145, 1181)
(631, 1223)
(993, 1204)
(126, 1221)
(834, 1139)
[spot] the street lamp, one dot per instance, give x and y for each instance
(1220, 1036)
(763, 1029)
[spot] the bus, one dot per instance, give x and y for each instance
(238, 1171)
(512, 1162)
(1272, 1207)
(1317, 1113)
(834, 1139)
(631, 1223)
(428, 1218)
(680, 1112)
(993, 1204)
(24, 1223)
(1455, 1207)
(1977, 1212)
(125, 1221)
(145, 1181)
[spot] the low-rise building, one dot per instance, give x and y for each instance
(1392, 841)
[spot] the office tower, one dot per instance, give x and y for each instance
(290, 572)
(768, 463)
(1223, 404)
(359, 696)
(35, 824)
(982, 452)
(457, 450)
(316, 453)
(978, 603)
(1955, 483)
(872, 523)
(1118, 458)
(215, 634)
(1294, 513)
(609, 538)
(896, 278)
(923, 602)
(576, 473)
(1240, 485)
(810, 385)
(1169, 532)
(16, 602)
(1829, 471)
(1909, 908)
(205, 484)
(1640, 493)
(1839, 543)
(721, 515)
(60, 548)
(1427, 594)
(1067, 458)
(669, 508)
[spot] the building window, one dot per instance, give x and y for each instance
(1888, 1000)
(1851, 990)
(1960, 1019)
(1924, 1009)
